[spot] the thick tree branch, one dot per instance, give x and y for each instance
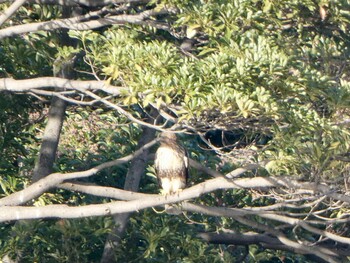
(63, 68)
(19, 212)
(55, 179)
(83, 87)
(102, 191)
(234, 212)
(214, 211)
(250, 238)
(63, 211)
(80, 23)
(90, 3)
(47, 154)
(325, 254)
(210, 185)
(192, 192)
(11, 10)
(30, 85)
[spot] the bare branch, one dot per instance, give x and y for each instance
(63, 211)
(50, 139)
(55, 179)
(122, 111)
(80, 23)
(286, 204)
(119, 194)
(11, 10)
(323, 253)
(239, 171)
(320, 232)
(239, 239)
(91, 3)
(218, 183)
(27, 85)
(214, 184)
(154, 200)
(234, 212)
(253, 238)
(103, 191)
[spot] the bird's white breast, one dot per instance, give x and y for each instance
(168, 159)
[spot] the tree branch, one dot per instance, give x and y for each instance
(47, 154)
(221, 182)
(90, 3)
(34, 85)
(250, 238)
(30, 85)
(102, 191)
(80, 23)
(234, 212)
(11, 10)
(63, 211)
(323, 253)
(122, 111)
(55, 179)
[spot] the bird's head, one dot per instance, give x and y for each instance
(167, 137)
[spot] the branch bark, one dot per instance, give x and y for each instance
(235, 212)
(31, 85)
(221, 182)
(63, 211)
(80, 23)
(189, 193)
(53, 180)
(90, 3)
(11, 10)
(51, 137)
(142, 201)
(250, 238)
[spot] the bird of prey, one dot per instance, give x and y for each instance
(171, 164)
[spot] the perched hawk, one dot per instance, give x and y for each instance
(171, 164)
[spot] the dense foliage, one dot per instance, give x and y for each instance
(263, 81)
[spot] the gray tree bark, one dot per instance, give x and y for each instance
(63, 68)
(51, 137)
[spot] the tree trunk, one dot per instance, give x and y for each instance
(132, 181)
(50, 141)
(63, 68)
